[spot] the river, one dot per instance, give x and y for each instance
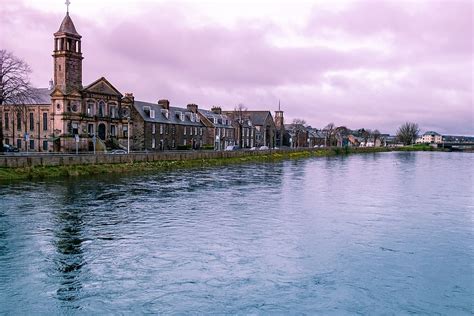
(385, 233)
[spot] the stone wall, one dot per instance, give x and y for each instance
(33, 160)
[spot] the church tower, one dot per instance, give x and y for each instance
(279, 126)
(67, 57)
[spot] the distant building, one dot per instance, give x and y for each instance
(430, 137)
(221, 130)
(265, 129)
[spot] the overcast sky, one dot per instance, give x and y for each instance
(372, 64)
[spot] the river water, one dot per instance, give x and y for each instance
(387, 233)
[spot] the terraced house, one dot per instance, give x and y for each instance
(158, 126)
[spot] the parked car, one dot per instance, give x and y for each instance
(253, 148)
(263, 148)
(9, 149)
(233, 147)
(118, 152)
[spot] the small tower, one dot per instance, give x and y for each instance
(279, 125)
(67, 56)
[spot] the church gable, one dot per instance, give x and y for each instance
(102, 86)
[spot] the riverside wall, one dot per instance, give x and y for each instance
(34, 160)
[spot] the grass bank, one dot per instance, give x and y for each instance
(42, 172)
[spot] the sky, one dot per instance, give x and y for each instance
(361, 64)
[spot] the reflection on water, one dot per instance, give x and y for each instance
(370, 234)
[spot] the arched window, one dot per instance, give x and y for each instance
(90, 111)
(101, 108)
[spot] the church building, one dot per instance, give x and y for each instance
(88, 118)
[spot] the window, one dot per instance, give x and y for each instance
(184, 133)
(32, 144)
(181, 116)
(153, 143)
(7, 121)
(153, 128)
(125, 131)
(200, 131)
(32, 122)
(113, 111)
(165, 113)
(90, 109)
(45, 121)
(45, 145)
(191, 131)
(90, 129)
(113, 130)
(101, 108)
(184, 142)
(18, 143)
(152, 114)
(195, 131)
(18, 122)
(161, 129)
(7, 141)
(75, 128)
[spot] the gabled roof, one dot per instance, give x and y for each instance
(259, 117)
(102, 86)
(161, 118)
(67, 26)
(211, 115)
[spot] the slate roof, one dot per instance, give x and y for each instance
(160, 117)
(211, 115)
(258, 117)
(43, 97)
(67, 26)
(431, 133)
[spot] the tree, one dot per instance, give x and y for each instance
(365, 134)
(239, 115)
(299, 126)
(375, 135)
(15, 86)
(328, 134)
(408, 133)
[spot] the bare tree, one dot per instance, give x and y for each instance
(365, 134)
(239, 115)
(408, 133)
(299, 127)
(339, 134)
(328, 134)
(15, 86)
(375, 136)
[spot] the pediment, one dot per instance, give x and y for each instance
(58, 93)
(102, 86)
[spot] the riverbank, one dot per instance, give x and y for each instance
(176, 161)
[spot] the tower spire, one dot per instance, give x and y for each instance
(67, 3)
(279, 105)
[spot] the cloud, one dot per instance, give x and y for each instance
(362, 64)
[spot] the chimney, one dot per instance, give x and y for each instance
(192, 107)
(165, 104)
(129, 95)
(51, 84)
(216, 110)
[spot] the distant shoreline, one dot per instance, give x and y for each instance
(75, 166)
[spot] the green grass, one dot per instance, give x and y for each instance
(40, 172)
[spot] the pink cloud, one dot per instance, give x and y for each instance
(162, 54)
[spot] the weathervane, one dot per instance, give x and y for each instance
(67, 5)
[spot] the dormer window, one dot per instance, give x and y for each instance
(197, 118)
(152, 114)
(181, 116)
(146, 110)
(165, 113)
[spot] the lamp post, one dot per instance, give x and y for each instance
(128, 135)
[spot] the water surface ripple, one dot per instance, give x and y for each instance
(388, 233)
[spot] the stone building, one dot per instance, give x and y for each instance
(68, 114)
(158, 126)
(221, 131)
(244, 131)
(265, 129)
(28, 126)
